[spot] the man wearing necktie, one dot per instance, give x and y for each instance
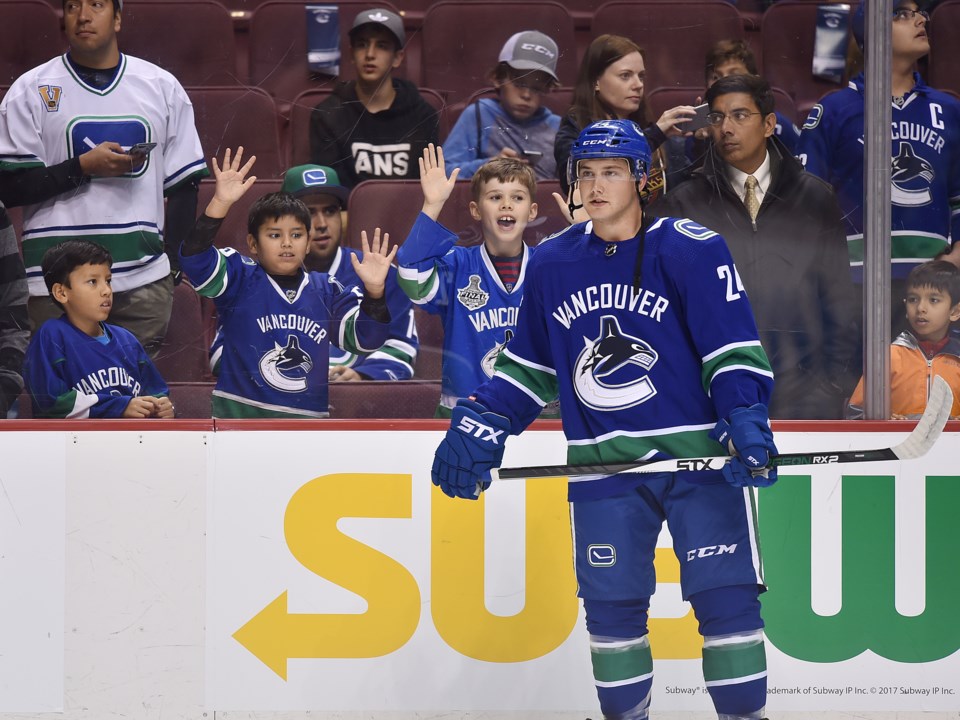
(786, 235)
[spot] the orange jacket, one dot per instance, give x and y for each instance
(911, 374)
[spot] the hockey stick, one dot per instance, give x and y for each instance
(915, 445)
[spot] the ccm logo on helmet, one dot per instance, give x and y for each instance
(479, 430)
(602, 141)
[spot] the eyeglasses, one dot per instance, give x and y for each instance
(907, 14)
(738, 116)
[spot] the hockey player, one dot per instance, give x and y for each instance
(277, 321)
(475, 290)
(925, 134)
(97, 144)
(643, 329)
(78, 366)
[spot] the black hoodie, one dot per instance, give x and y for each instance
(361, 145)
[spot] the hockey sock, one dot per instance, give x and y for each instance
(623, 673)
(735, 671)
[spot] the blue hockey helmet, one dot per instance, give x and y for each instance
(610, 139)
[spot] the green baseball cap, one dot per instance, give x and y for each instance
(314, 180)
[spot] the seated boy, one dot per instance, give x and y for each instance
(277, 321)
(475, 290)
(927, 349)
(515, 123)
(78, 366)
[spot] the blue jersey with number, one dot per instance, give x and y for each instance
(643, 370)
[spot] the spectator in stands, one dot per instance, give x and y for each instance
(514, 124)
(734, 57)
(475, 290)
(785, 233)
(932, 304)
(925, 190)
(14, 326)
(78, 366)
(70, 130)
(276, 319)
(376, 126)
(610, 85)
(320, 190)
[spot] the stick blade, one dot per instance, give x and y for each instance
(931, 423)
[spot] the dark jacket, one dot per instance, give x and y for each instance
(795, 268)
(361, 145)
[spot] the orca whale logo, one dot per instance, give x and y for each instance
(911, 177)
(286, 368)
(614, 355)
(490, 359)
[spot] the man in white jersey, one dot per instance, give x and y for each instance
(90, 143)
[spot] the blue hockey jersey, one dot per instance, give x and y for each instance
(72, 375)
(642, 374)
(276, 344)
(461, 285)
(925, 190)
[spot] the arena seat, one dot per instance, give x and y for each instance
(944, 61)
(384, 399)
(457, 66)
(227, 117)
(29, 35)
(665, 98)
(393, 206)
(192, 399)
(675, 36)
(298, 135)
(787, 38)
(193, 39)
(183, 354)
(430, 354)
(278, 46)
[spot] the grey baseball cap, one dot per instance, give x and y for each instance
(531, 50)
(381, 16)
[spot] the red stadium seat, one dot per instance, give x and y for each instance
(944, 67)
(29, 36)
(227, 117)
(393, 206)
(278, 46)
(430, 354)
(183, 354)
(462, 39)
(191, 399)
(787, 38)
(193, 39)
(384, 399)
(675, 36)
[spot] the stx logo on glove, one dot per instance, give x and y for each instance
(486, 433)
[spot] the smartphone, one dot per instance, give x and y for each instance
(143, 148)
(697, 121)
(532, 156)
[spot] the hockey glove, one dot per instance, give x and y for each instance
(749, 439)
(473, 444)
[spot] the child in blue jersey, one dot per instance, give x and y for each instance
(476, 290)
(78, 366)
(514, 124)
(276, 319)
(641, 328)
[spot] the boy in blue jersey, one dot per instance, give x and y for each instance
(476, 290)
(277, 320)
(78, 366)
(925, 152)
(643, 329)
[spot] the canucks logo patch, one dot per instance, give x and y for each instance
(472, 297)
(286, 368)
(85, 133)
(911, 177)
(50, 94)
(611, 370)
(490, 359)
(601, 555)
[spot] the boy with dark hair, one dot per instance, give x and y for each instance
(514, 124)
(276, 320)
(927, 349)
(636, 325)
(78, 366)
(475, 290)
(375, 126)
